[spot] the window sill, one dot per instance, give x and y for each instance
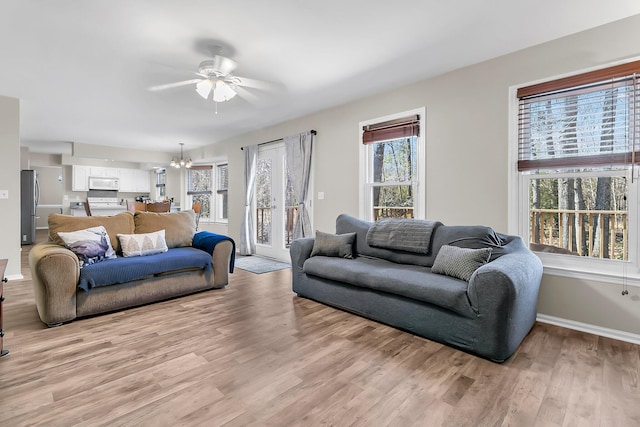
(616, 273)
(212, 222)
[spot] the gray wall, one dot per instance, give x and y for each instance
(10, 181)
(467, 139)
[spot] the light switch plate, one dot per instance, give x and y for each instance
(4, 194)
(320, 195)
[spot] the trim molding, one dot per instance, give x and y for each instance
(15, 277)
(592, 329)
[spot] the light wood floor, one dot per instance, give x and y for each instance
(255, 354)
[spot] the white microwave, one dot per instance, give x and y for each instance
(102, 183)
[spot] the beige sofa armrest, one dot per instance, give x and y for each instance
(55, 272)
(221, 259)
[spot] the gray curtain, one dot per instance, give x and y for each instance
(247, 245)
(298, 149)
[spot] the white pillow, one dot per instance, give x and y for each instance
(143, 244)
(90, 245)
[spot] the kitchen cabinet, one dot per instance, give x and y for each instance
(104, 172)
(80, 178)
(131, 180)
(134, 181)
(142, 181)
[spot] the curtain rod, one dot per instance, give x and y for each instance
(313, 132)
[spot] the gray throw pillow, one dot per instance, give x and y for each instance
(338, 245)
(460, 262)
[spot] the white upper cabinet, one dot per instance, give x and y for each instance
(80, 178)
(131, 180)
(104, 172)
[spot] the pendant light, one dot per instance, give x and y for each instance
(182, 163)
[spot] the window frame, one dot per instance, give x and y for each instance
(585, 268)
(214, 197)
(364, 183)
(220, 193)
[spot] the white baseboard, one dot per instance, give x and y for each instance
(592, 329)
(15, 277)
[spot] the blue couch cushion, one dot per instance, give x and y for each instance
(411, 281)
(123, 270)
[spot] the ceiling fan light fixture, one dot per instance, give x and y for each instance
(204, 87)
(223, 92)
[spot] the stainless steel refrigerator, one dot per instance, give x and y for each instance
(29, 195)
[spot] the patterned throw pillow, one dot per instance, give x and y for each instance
(143, 244)
(338, 245)
(460, 263)
(90, 245)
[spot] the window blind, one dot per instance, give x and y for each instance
(223, 180)
(590, 120)
(199, 179)
(392, 129)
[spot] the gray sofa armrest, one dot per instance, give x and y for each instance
(55, 272)
(300, 251)
(516, 274)
(505, 293)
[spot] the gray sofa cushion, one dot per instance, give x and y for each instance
(410, 281)
(410, 235)
(470, 236)
(466, 236)
(460, 263)
(340, 245)
(349, 224)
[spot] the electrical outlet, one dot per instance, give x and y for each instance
(4, 194)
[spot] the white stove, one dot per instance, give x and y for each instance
(105, 206)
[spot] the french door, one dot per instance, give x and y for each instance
(276, 205)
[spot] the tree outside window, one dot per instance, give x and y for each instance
(393, 166)
(576, 153)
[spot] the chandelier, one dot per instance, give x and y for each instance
(182, 163)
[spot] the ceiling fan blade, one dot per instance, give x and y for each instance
(247, 95)
(223, 64)
(254, 84)
(172, 85)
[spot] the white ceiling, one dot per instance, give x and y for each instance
(82, 68)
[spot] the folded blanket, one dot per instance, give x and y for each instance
(206, 241)
(127, 269)
(410, 235)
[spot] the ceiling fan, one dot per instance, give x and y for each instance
(216, 81)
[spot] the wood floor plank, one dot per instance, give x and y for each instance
(256, 354)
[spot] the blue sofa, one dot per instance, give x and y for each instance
(489, 315)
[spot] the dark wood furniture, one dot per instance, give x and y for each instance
(3, 267)
(159, 207)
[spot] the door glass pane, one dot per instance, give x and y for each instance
(264, 196)
(582, 216)
(291, 209)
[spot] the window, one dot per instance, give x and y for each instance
(222, 188)
(209, 190)
(161, 184)
(577, 169)
(392, 167)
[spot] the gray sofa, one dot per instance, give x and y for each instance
(489, 315)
